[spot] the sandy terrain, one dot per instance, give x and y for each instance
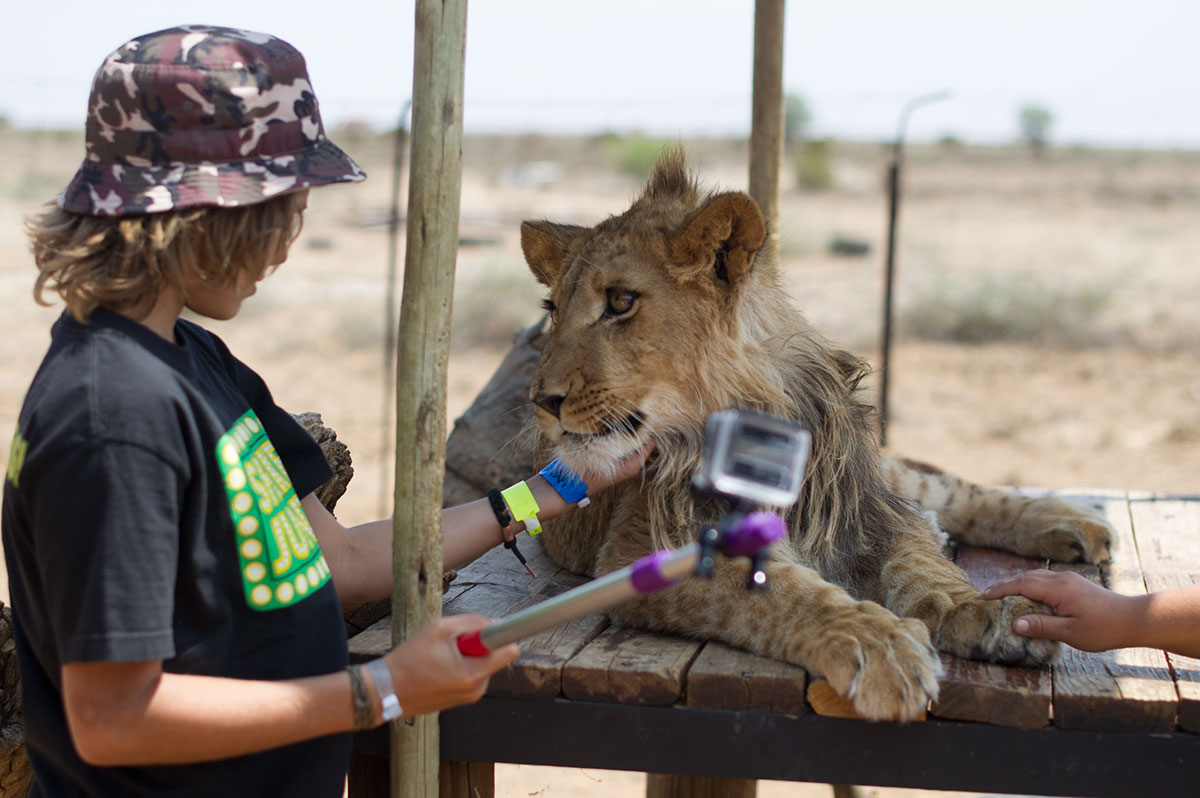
(1086, 259)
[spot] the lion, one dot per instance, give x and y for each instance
(671, 310)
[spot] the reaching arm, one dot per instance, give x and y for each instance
(361, 557)
(1091, 618)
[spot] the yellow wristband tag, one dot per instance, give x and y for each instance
(523, 506)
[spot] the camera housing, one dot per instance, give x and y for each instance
(753, 458)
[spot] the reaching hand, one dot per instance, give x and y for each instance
(431, 674)
(1087, 616)
(626, 467)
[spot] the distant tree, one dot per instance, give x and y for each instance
(1035, 121)
(796, 118)
(814, 167)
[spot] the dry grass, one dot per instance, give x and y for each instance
(1103, 241)
(1071, 278)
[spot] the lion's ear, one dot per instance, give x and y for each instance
(724, 234)
(545, 246)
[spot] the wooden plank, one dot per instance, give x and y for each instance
(509, 588)
(1167, 532)
(538, 672)
(989, 693)
(982, 691)
(829, 703)
(723, 677)
(627, 666)
(496, 585)
(493, 573)
(374, 641)
(1128, 689)
(985, 566)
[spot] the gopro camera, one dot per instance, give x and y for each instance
(754, 458)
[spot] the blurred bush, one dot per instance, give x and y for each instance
(634, 156)
(1035, 122)
(1013, 308)
(814, 171)
(490, 309)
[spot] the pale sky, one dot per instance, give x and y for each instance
(1112, 72)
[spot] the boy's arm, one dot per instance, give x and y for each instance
(1170, 620)
(1092, 618)
(132, 713)
(360, 558)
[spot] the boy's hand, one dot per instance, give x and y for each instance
(1087, 616)
(626, 467)
(431, 674)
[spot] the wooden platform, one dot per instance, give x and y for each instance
(591, 694)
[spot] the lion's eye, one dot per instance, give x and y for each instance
(550, 308)
(620, 302)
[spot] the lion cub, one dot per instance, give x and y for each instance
(669, 311)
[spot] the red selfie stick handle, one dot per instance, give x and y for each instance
(472, 645)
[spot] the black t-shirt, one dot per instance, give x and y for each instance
(151, 511)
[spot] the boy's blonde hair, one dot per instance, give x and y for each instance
(123, 263)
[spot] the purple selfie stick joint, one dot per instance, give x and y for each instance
(753, 534)
(647, 576)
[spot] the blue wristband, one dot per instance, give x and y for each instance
(566, 483)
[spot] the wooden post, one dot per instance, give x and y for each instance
(659, 785)
(424, 342)
(766, 121)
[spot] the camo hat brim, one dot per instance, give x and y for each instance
(202, 115)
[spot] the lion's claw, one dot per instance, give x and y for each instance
(885, 665)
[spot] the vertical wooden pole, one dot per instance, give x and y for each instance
(766, 122)
(435, 180)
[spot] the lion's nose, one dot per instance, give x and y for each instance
(551, 404)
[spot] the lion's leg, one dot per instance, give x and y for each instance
(917, 581)
(1035, 527)
(883, 664)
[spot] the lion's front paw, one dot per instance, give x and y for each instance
(982, 630)
(1067, 532)
(885, 665)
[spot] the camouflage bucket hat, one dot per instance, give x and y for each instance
(202, 115)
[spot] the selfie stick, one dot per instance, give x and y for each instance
(748, 536)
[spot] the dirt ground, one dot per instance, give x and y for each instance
(1083, 265)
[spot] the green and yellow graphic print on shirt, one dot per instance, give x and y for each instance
(281, 562)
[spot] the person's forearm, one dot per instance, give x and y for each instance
(1170, 620)
(362, 569)
(470, 530)
(183, 719)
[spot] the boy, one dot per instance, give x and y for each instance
(177, 588)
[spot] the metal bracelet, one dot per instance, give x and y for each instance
(390, 705)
